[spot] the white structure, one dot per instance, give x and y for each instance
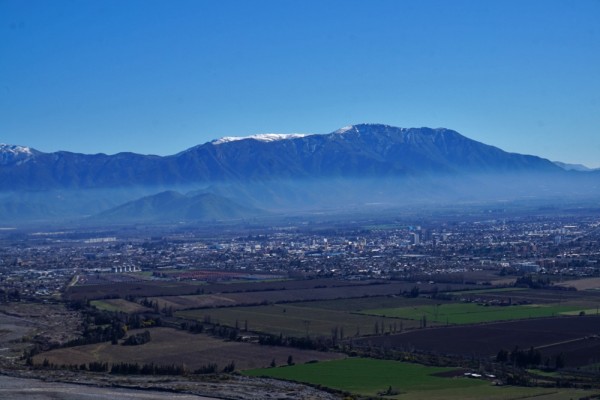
(126, 268)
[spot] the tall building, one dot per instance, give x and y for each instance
(416, 239)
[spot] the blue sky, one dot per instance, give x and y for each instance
(161, 76)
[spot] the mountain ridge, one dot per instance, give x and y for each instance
(354, 165)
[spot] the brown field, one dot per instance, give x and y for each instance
(201, 300)
(162, 288)
(170, 346)
(176, 288)
(290, 295)
(578, 352)
(119, 305)
(139, 289)
(551, 335)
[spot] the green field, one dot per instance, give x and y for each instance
(472, 313)
(370, 377)
(298, 319)
(360, 316)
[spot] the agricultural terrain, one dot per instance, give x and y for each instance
(175, 347)
(275, 329)
(398, 380)
(576, 337)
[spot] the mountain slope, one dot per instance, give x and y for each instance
(573, 167)
(173, 206)
(357, 151)
(353, 167)
(361, 150)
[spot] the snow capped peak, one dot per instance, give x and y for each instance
(263, 137)
(367, 127)
(344, 129)
(14, 149)
(10, 153)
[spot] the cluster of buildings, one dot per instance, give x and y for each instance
(42, 263)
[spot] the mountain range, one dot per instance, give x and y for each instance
(353, 166)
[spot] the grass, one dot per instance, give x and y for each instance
(591, 367)
(369, 377)
(471, 313)
(550, 374)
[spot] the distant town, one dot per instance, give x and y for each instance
(42, 263)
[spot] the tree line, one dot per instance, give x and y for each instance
(130, 368)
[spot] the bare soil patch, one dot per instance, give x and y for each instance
(486, 340)
(582, 284)
(255, 291)
(23, 324)
(292, 295)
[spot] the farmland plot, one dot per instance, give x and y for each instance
(485, 340)
(369, 377)
(472, 313)
(168, 346)
(298, 319)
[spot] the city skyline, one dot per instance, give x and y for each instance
(157, 78)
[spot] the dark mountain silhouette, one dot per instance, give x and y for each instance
(348, 168)
(174, 206)
(356, 151)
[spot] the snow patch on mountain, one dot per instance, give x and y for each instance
(263, 137)
(344, 129)
(14, 149)
(10, 153)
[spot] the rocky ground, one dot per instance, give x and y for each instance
(66, 385)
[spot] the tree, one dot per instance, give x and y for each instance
(137, 339)
(502, 356)
(229, 367)
(414, 292)
(334, 335)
